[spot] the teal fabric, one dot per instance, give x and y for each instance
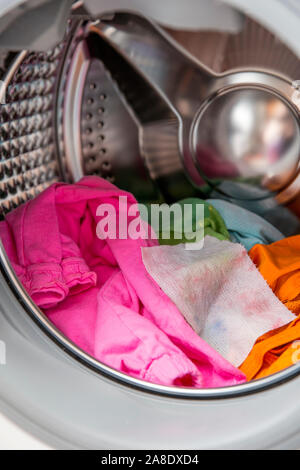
(244, 226)
(261, 202)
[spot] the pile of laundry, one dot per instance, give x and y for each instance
(222, 313)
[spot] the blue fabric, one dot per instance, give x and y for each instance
(244, 226)
(261, 202)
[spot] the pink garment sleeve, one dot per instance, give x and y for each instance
(49, 264)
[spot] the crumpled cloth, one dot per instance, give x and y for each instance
(188, 225)
(279, 263)
(260, 201)
(220, 292)
(97, 291)
(244, 226)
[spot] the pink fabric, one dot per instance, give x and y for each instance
(98, 293)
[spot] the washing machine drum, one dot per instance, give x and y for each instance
(90, 89)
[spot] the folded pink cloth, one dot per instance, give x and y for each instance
(98, 293)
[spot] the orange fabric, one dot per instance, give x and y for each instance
(279, 264)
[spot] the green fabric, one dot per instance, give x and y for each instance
(214, 225)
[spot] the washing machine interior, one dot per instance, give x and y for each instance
(78, 109)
